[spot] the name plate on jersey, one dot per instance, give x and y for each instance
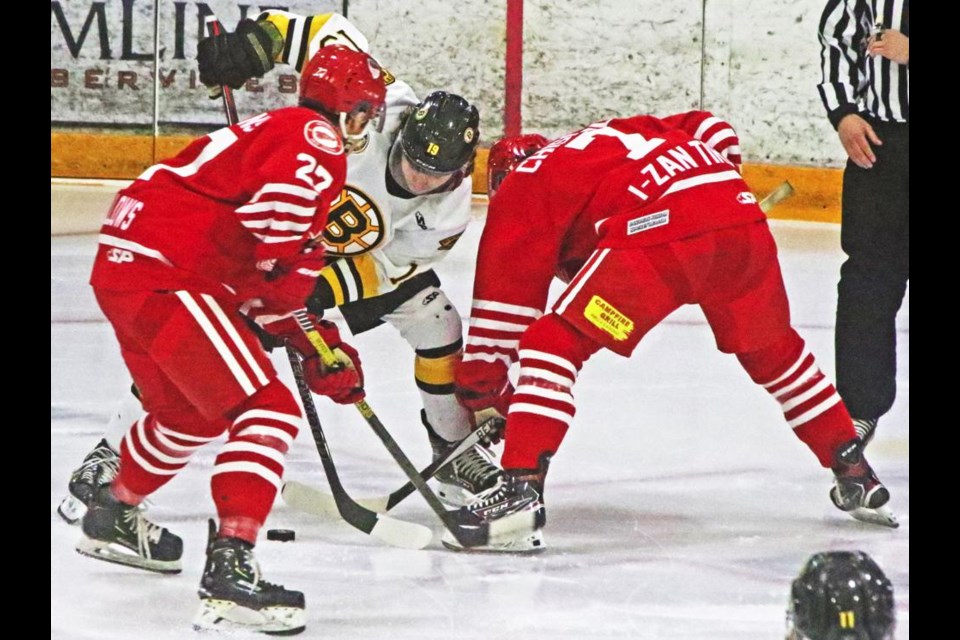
(647, 222)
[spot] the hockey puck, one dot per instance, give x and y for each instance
(282, 535)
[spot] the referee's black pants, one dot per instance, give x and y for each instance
(875, 235)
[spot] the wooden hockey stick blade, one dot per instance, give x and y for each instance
(321, 503)
(778, 195)
(395, 532)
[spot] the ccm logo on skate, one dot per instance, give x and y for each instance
(119, 256)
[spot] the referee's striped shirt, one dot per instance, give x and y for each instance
(852, 80)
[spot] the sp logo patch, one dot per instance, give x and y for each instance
(321, 135)
(745, 197)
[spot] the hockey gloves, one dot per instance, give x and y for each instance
(234, 58)
(284, 287)
(342, 383)
(481, 386)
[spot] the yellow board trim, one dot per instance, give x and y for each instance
(119, 156)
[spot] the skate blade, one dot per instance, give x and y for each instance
(118, 554)
(881, 515)
(224, 615)
(71, 510)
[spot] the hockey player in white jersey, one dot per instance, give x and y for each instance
(405, 203)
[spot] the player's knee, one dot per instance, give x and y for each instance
(553, 334)
(271, 417)
(429, 320)
(771, 362)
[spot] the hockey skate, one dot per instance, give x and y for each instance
(469, 474)
(99, 468)
(118, 532)
(514, 514)
(865, 429)
(233, 596)
(856, 488)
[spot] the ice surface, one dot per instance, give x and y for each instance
(680, 505)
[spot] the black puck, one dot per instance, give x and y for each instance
(282, 535)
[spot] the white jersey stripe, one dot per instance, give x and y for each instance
(183, 436)
(217, 341)
(279, 207)
(536, 409)
(488, 357)
(517, 310)
(549, 357)
(696, 181)
(789, 372)
(152, 450)
(265, 414)
(263, 430)
(572, 292)
(543, 374)
(549, 394)
(238, 342)
(806, 395)
(804, 418)
(275, 225)
(254, 448)
(140, 460)
(286, 189)
(705, 125)
(497, 325)
(135, 247)
(249, 467)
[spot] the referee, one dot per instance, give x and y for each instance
(865, 53)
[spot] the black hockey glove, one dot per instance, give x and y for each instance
(234, 58)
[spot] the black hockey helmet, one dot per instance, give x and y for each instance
(841, 595)
(441, 134)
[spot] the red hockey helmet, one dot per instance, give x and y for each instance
(506, 154)
(345, 85)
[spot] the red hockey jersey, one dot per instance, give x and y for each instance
(237, 198)
(619, 183)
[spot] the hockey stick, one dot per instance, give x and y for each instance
(778, 195)
(398, 533)
(467, 537)
(311, 500)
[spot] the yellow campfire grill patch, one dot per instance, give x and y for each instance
(605, 317)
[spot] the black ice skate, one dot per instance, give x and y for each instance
(865, 429)
(469, 474)
(99, 468)
(856, 488)
(234, 596)
(118, 532)
(514, 513)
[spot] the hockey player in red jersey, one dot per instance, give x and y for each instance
(190, 247)
(638, 216)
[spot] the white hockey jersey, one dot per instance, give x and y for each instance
(378, 240)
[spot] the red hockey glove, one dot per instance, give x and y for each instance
(284, 288)
(342, 383)
(481, 385)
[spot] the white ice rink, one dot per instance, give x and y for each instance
(679, 507)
